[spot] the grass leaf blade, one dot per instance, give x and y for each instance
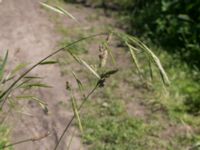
(2, 66)
(51, 8)
(76, 113)
(134, 58)
(90, 69)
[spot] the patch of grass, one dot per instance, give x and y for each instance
(4, 130)
(182, 95)
(108, 126)
(68, 35)
(179, 102)
(4, 136)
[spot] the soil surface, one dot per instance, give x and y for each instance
(29, 35)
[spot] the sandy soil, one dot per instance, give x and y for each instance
(25, 30)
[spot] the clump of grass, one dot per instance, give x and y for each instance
(113, 132)
(108, 125)
(69, 36)
(176, 103)
(4, 136)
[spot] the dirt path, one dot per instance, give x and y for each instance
(27, 33)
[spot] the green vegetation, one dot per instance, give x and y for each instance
(175, 24)
(160, 117)
(4, 136)
(76, 49)
(174, 27)
(107, 126)
(184, 95)
(4, 130)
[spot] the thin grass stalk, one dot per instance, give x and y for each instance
(26, 140)
(157, 62)
(73, 117)
(80, 85)
(71, 139)
(150, 69)
(59, 10)
(90, 69)
(76, 113)
(110, 53)
(134, 58)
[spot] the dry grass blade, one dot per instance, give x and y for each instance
(158, 64)
(51, 8)
(59, 10)
(138, 45)
(80, 85)
(151, 69)
(110, 52)
(134, 58)
(74, 56)
(67, 13)
(156, 60)
(81, 61)
(90, 69)
(76, 113)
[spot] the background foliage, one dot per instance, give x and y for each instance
(175, 24)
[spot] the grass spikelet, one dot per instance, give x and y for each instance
(103, 55)
(110, 52)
